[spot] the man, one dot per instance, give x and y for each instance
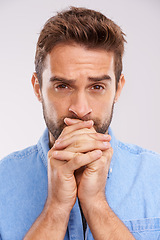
(79, 182)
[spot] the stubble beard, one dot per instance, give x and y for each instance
(56, 128)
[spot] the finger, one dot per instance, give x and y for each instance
(64, 155)
(103, 162)
(82, 144)
(82, 132)
(81, 160)
(54, 163)
(85, 131)
(80, 135)
(76, 132)
(71, 121)
(100, 136)
(68, 136)
(76, 126)
(108, 153)
(60, 158)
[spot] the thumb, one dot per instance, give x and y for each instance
(72, 121)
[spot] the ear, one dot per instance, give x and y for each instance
(36, 87)
(119, 87)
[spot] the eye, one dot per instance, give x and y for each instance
(61, 86)
(97, 87)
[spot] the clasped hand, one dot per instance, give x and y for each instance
(78, 165)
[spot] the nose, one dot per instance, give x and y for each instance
(80, 105)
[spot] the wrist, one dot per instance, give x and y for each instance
(51, 224)
(94, 202)
(95, 206)
(103, 222)
(55, 214)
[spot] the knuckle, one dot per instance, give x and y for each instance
(49, 159)
(65, 130)
(59, 172)
(97, 135)
(77, 158)
(90, 155)
(93, 135)
(77, 144)
(51, 164)
(50, 153)
(110, 152)
(83, 136)
(103, 161)
(98, 144)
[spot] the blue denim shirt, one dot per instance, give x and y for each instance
(132, 191)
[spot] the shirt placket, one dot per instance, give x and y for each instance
(75, 227)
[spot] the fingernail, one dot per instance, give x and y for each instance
(55, 153)
(65, 120)
(89, 122)
(106, 136)
(57, 143)
(98, 152)
(106, 144)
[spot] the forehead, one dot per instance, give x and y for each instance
(73, 59)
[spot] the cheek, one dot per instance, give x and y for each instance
(103, 106)
(104, 112)
(57, 108)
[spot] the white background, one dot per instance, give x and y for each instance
(137, 114)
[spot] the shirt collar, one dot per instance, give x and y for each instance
(43, 146)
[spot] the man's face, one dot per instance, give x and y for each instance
(78, 83)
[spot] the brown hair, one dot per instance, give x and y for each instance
(83, 26)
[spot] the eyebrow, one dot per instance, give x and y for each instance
(72, 81)
(101, 78)
(60, 79)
